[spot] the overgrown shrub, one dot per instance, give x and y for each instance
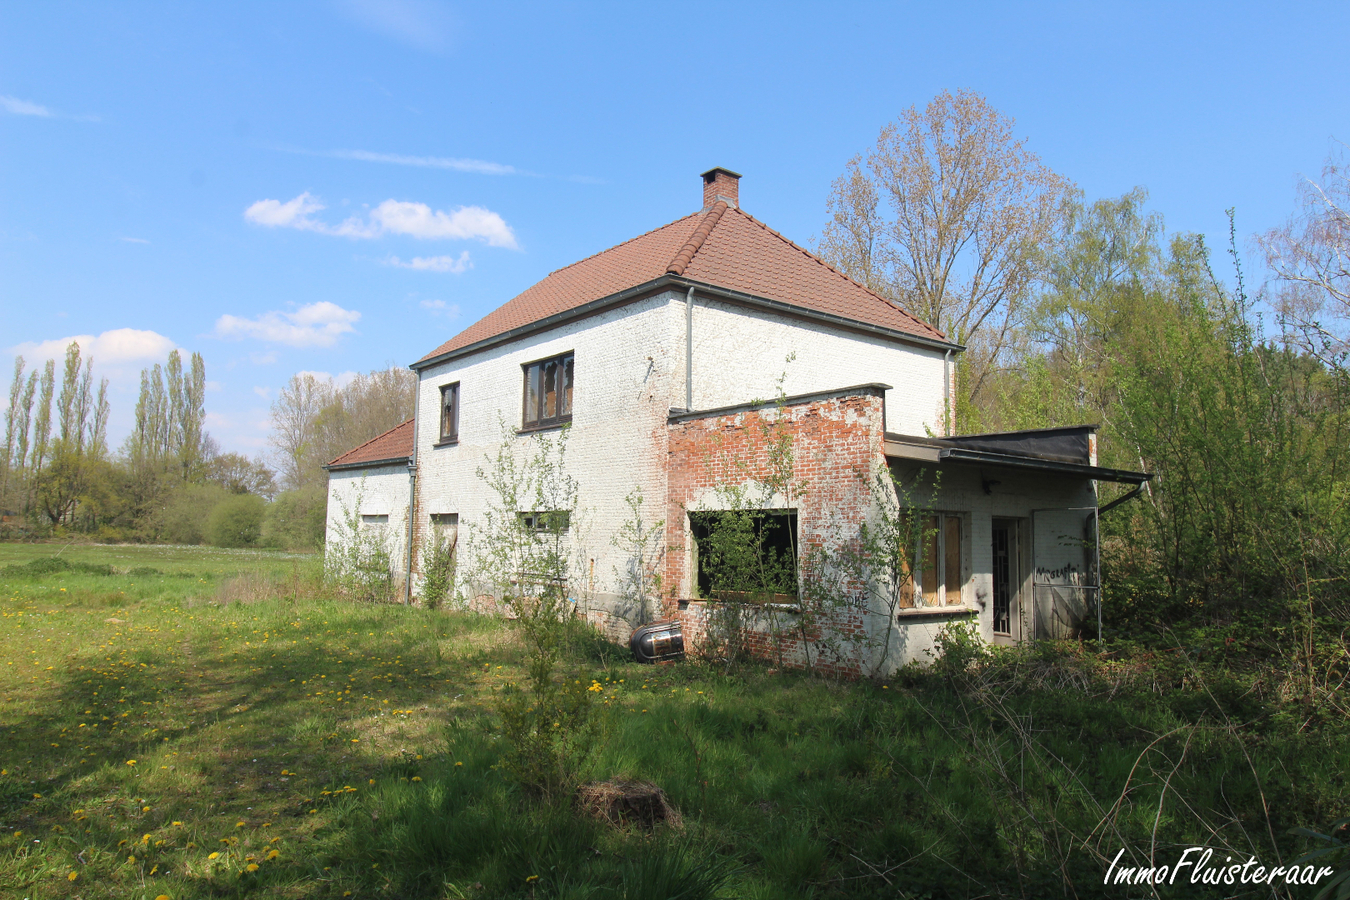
(236, 521)
(438, 569)
(296, 520)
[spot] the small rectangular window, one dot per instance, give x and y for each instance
(450, 413)
(374, 522)
(548, 392)
(547, 521)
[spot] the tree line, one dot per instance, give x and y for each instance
(169, 481)
(1088, 312)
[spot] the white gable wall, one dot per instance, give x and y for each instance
(741, 353)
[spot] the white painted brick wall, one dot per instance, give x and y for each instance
(381, 491)
(630, 371)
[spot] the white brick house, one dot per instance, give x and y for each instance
(676, 342)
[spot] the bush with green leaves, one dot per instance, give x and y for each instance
(236, 521)
(357, 563)
(521, 551)
(438, 569)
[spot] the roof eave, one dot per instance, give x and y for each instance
(665, 282)
(927, 452)
(370, 464)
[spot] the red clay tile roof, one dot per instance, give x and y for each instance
(395, 444)
(720, 246)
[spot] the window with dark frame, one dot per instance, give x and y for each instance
(450, 413)
(547, 521)
(548, 392)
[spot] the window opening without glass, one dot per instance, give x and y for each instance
(450, 413)
(548, 392)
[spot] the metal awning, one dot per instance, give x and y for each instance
(939, 450)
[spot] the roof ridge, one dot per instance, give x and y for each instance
(816, 259)
(373, 440)
(695, 242)
(621, 244)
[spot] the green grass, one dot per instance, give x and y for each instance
(150, 720)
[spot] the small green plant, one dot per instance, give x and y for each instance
(643, 547)
(438, 569)
(356, 561)
(521, 553)
(1338, 888)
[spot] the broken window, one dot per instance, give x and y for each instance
(374, 522)
(745, 555)
(548, 392)
(932, 561)
(547, 521)
(450, 413)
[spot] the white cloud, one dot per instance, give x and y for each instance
(113, 348)
(390, 217)
(291, 214)
(16, 107)
(434, 263)
(479, 166)
(314, 325)
(132, 240)
(263, 392)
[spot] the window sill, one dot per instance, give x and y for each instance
(551, 426)
(453, 442)
(925, 611)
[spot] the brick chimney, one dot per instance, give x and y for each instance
(721, 184)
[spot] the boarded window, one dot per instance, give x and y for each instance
(446, 525)
(932, 560)
(548, 392)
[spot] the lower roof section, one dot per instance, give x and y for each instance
(1058, 451)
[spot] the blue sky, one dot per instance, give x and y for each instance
(333, 186)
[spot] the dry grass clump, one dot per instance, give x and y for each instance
(620, 802)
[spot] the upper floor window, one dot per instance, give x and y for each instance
(548, 392)
(450, 413)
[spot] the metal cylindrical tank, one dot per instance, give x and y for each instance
(658, 642)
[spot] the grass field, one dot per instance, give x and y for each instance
(166, 733)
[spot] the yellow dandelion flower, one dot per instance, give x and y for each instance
(72, 876)
(163, 897)
(131, 762)
(132, 860)
(213, 855)
(372, 781)
(37, 796)
(417, 778)
(459, 763)
(273, 854)
(531, 879)
(251, 867)
(176, 822)
(145, 809)
(238, 824)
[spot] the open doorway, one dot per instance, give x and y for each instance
(1007, 577)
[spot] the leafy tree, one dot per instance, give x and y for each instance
(240, 475)
(943, 216)
(1310, 256)
(296, 520)
(316, 420)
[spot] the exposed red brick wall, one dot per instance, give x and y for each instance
(836, 446)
